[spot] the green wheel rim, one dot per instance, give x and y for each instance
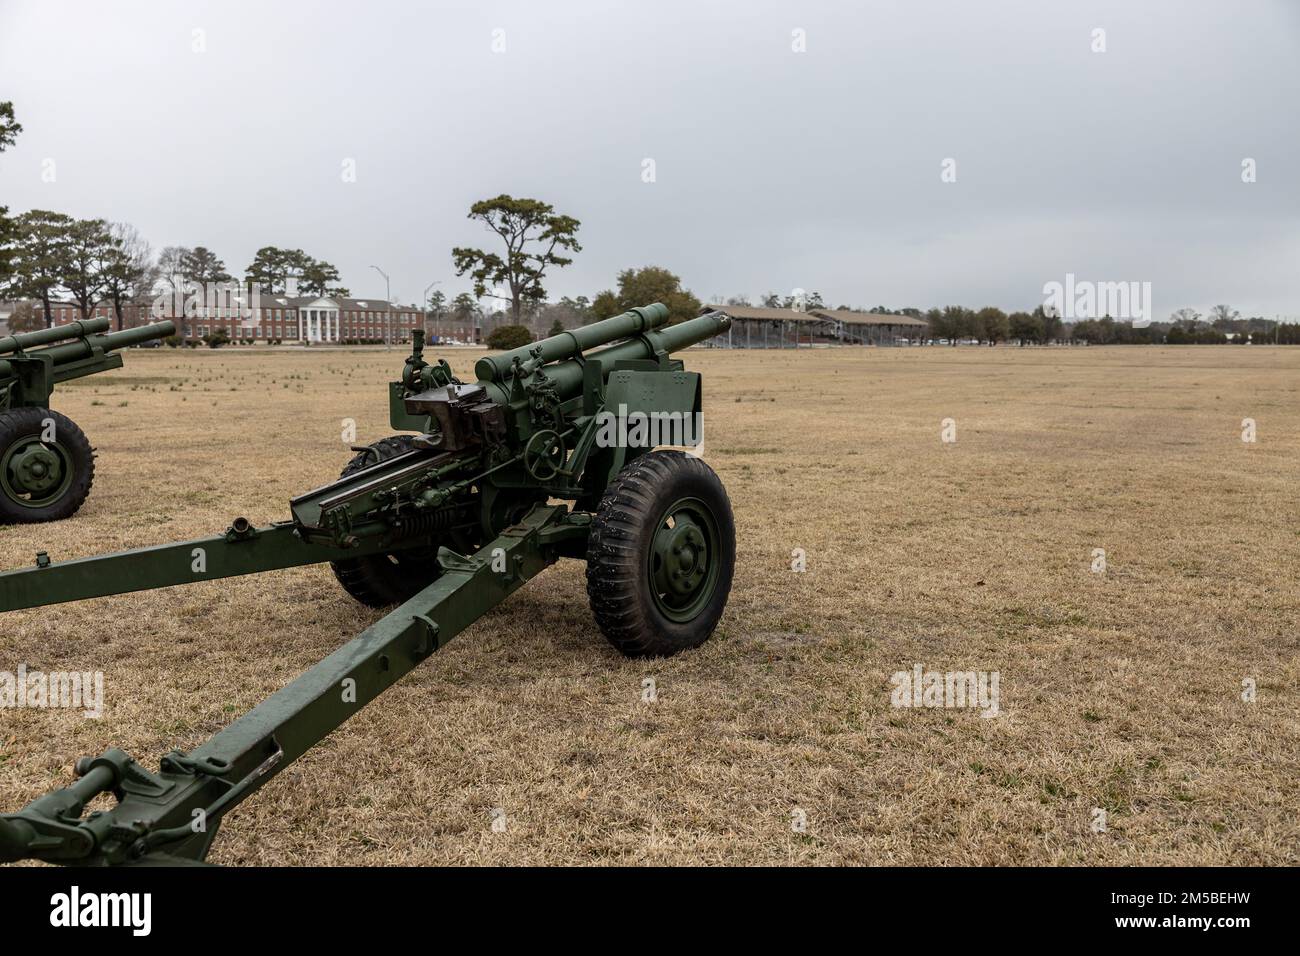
(683, 560)
(35, 474)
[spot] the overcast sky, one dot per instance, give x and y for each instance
(773, 168)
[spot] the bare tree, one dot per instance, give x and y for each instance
(24, 318)
(128, 268)
(1222, 316)
(168, 276)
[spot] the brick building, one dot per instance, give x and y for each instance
(278, 318)
(309, 319)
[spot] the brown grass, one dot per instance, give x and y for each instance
(1119, 691)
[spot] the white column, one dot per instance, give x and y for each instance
(300, 325)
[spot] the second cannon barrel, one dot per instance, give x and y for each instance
(108, 342)
(56, 333)
(495, 368)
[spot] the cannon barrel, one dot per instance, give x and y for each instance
(31, 340)
(85, 347)
(496, 368)
(672, 339)
(567, 375)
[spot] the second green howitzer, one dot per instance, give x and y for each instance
(46, 463)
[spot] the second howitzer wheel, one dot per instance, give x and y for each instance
(46, 466)
(378, 580)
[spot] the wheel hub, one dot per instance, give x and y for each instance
(682, 560)
(34, 469)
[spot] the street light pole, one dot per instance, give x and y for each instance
(424, 303)
(388, 300)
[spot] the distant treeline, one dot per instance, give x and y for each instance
(1107, 331)
(991, 325)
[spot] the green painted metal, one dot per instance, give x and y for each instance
(656, 345)
(58, 333)
(46, 467)
(684, 573)
(241, 550)
(31, 466)
(177, 810)
(491, 458)
(27, 378)
(676, 396)
(495, 368)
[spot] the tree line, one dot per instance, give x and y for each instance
(46, 254)
(536, 239)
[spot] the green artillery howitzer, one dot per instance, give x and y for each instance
(445, 523)
(46, 463)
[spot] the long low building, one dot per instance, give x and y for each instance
(758, 327)
(270, 318)
(312, 319)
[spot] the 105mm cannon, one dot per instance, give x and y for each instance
(46, 464)
(494, 481)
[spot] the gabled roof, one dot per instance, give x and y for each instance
(761, 312)
(849, 317)
(278, 300)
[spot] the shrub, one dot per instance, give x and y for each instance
(509, 337)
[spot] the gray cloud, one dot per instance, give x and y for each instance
(774, 169)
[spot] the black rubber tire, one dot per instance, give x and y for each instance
(24, 423)
(619, 554)
(381, 580)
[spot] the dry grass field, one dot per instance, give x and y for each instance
(1120, 691)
